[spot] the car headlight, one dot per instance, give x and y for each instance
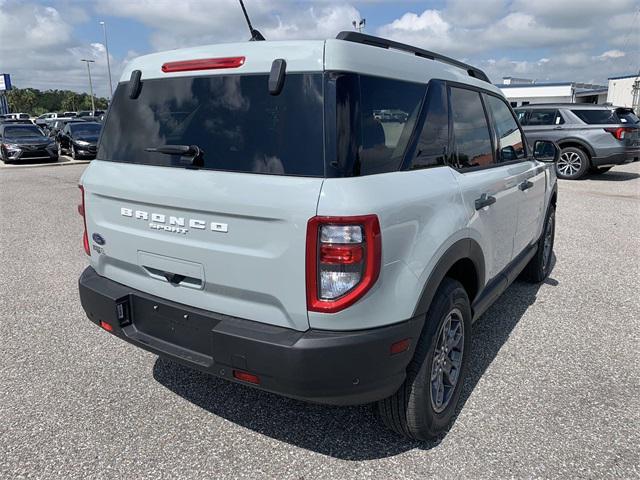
(82, 143)
(11, 147)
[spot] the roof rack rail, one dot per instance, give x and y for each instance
(384, 43)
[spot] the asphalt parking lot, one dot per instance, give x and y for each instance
(554, 390)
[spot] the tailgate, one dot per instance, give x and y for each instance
(230, 243)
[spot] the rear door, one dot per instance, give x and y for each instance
(227, 232)
(530, 174)
(489, 190)
(544, 124)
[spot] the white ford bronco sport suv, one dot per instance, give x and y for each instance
(252, 214)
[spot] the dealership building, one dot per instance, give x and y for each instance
(623, 91)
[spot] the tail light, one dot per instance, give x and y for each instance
(618, 132)
(343, 260)
(81, 211)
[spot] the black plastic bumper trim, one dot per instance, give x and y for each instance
(332, 367)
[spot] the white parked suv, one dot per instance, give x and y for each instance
(252, 214)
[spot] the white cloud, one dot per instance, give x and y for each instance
(612, 54)
(543, 39)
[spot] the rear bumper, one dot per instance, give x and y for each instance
(619, 158)
(340, 368)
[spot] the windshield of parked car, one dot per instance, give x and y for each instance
(85, 130)
(19, 132)
(233, 119)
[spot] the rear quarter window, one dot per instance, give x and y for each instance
(596, 117)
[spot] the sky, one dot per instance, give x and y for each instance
(42, 42)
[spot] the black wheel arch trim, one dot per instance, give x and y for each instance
(580, 142)
(464, 249)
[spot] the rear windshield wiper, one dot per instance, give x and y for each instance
(193, 151)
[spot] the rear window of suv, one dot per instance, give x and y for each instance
(233, 119)
(604, 117)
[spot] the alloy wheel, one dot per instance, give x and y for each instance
(569, 163)
(447, 360)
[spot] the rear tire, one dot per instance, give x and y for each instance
(425, 404)
(539, 266)
(572, 164)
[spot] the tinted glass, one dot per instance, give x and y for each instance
(88, 129)
(22, 132)
(473, 142)
(542, 117)
(627, 116)
(521, 115)
(389, 109)
(433, 142)
(511, 144)
(597, 116)
(233, 119)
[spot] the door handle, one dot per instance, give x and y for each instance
(557, 128)
(526, 185)
(484, 201)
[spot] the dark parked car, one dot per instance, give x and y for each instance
(19, 142)
(79, 139)
(593, 138)
(55, 126)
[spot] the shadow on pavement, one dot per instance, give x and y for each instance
(347, 433)
(613, 176)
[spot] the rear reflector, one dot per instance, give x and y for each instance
(400, 346)
(203, 64)
(246, 377)
(82, 211)
(107, 326)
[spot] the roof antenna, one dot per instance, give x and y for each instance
(255, 34)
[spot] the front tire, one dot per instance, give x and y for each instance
(572, 164)
(425, 404)
(74, 154)
(539, 266)
(60, 151)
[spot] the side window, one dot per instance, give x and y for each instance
(559, 120)
(470, 128)
(509, 135)
(432, 144)
(542, 117)
(521, 115)
(389, 110)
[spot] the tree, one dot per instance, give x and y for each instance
(35, 102)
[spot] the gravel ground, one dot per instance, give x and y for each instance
(554, 390)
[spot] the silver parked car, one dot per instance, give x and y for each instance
(593, 138)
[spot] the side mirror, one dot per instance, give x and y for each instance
(546, 151)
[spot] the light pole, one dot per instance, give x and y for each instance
(106, 47)
(93, 105)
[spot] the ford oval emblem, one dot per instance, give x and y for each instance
(99, 239)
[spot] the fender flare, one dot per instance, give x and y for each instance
(466, 248)
(579, 141)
